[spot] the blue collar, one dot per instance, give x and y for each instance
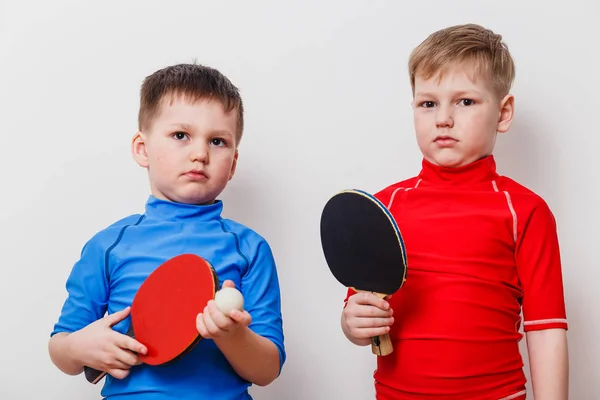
(172, 211)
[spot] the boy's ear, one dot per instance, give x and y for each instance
(507, 112)
(233, 165)
(138, 150)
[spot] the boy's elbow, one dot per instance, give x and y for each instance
(267, 379)
(72, 372)
(59, 354)
(264, 383)
(272, 372)
(54, 348)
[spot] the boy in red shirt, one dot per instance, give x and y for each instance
(481, 248)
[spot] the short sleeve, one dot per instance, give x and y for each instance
(87, 291)
(262, 298)
(540, 272)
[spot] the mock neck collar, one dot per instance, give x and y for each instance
(482, 170)
(173, 211)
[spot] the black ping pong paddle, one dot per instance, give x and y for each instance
(364, 249)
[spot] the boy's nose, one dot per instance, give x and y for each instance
(199, 154)
(443, 118)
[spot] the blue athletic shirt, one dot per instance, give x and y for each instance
(115, 262)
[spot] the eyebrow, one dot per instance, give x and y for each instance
(187, 127)
(460, 93)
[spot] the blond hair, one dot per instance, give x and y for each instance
(464, 43)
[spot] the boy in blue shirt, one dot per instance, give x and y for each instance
(190, 126)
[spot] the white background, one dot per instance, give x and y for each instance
(327, 107)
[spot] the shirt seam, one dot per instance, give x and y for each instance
(237, 244)
(115, 243)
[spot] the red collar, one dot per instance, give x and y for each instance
(478, 171)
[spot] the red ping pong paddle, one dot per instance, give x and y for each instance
(164, 309)
(364, 249)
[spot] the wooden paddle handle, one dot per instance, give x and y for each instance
(380, 345)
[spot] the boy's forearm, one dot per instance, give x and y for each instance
(61, 355)
(253, 357)
(549, 364)
(358, 342)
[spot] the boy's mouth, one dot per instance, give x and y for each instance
(196, 175)
(444, 140)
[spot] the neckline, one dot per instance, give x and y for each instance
(482, 170)
(169, 210)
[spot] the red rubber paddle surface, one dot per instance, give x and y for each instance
(165, 307)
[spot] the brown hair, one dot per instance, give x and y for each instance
(464, 43)
(194, 82)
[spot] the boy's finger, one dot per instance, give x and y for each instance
(366, 311)
(118, 364)
(119, 373)
(363, 323)
(217, 321)
(211, 327)
(129, 343)
(228, 283)
(366, 333)
(368, 323)
(220, 320)
(241, 317)
(373, 312)
(117, 317)
(371, 300)
(201, 326)
(127, 357)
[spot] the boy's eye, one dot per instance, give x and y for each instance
(217, 142)
(467, 102)
(427, 104)
(180, 135)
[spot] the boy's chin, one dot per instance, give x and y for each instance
(452, 161)
(188, 198)
(198, 201)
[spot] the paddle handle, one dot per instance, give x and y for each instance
(380, 345)
(93, 375)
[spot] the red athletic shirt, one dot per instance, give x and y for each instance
(480, 249)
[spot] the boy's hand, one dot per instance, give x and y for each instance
(100, 347)
(212, 323)
(367, 315)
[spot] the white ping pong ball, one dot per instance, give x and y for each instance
(229, 299)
